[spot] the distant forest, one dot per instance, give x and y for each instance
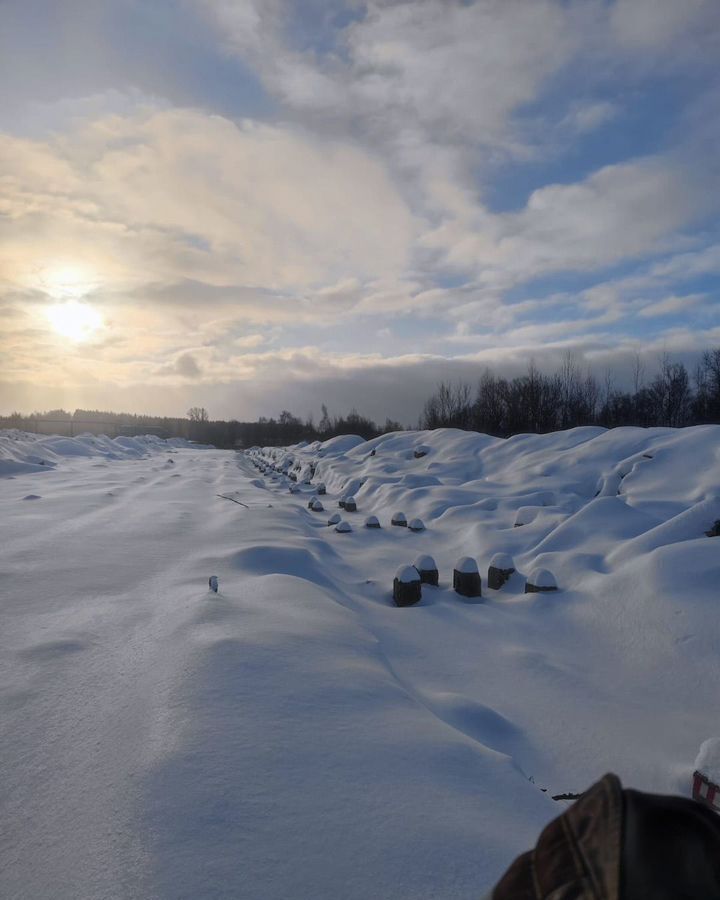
(533, 402)
(198, 426)
(536, 402)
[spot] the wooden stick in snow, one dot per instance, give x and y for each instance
(232, 500)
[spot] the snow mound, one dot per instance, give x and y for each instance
(541, 578)
(708, 760)
(296, 715)
(22, 452)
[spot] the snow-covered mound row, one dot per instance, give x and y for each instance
(614, 671)
(580, 502)
(23, 452)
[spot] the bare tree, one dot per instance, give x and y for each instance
(670, 393)
(638, 372)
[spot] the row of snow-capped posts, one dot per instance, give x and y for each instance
(349, 505)
(371, 521)
(467, 582)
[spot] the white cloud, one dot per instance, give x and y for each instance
(586, 117)
(623, 211)
(671, 305)
(181, 194)
(448, 71)
(249, 341)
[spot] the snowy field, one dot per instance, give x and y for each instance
(296, 734)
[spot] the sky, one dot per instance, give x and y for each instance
(252, 205)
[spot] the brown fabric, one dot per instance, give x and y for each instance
(671, 849)
(577, 856)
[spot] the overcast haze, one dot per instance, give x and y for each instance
(256, 205)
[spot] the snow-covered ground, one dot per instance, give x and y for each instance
(296, 734)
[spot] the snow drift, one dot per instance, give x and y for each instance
(295, 733)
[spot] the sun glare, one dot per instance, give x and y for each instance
(67, 282)
(74, 320)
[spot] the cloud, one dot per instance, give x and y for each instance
(366, 205)
(249, 341)
(178, 194)
(620, 212)
(658, 24)
(586, 117)
(671, 305)
(185, 365)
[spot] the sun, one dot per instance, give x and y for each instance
(74, 320)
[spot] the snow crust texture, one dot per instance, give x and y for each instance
(296, 734)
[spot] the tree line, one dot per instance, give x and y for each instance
(533, 402)
(198, 426)
(571, 396)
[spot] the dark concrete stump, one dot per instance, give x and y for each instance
(500, 569)
(466, 578)
(372, 522)
(407, 586)
(428, 569)
(540, 582)
(350, 504)
(400, 519)
(321, 489)
(416, 525)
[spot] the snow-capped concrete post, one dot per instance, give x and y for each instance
(321, 489)
(372, 522)
(400, 519)
(706, 777)
(540, 581)
(310, 502)
(715, 530)
(427, 568)
(407, 586)
(500, 569)
(521, 517)
(213, 583)
(350, 504)
(416, 525)
(466, 578)
(343, 527)
(317, 506)
(334, 519)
